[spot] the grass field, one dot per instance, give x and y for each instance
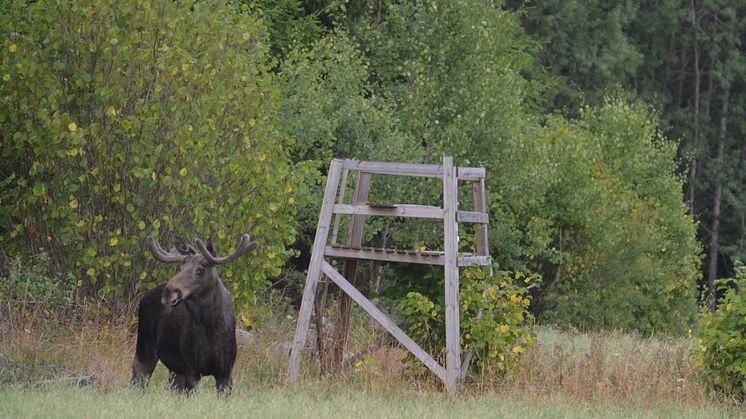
(567, 374)
(322, 401)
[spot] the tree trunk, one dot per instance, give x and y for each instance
(716, 203)
(697, 82)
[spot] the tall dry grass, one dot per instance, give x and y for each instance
(607, 366)
(611, 366)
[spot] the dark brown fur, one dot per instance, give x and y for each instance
(188, 323)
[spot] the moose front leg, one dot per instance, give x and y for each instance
(224, 385)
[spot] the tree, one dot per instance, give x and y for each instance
(126, 119)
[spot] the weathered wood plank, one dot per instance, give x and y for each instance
(480, 205)
(472, 217)
(417, 170)
(381, 318)
(413, 211)
(403, 169)
(385, 255)
(450, 239)
(354, 239)
(470, 173)
(314, 270)
(341, 200)
(474, 260)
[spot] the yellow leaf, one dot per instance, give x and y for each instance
(72, 152)
(74, 204)
(143, 275)
(111, 111)
(117, 187)
(6, 77)
(156, 224)
(127, 263)
(12, 48)
(221, 234)
(517, 349)
(291, 200)
(141, 225)
(288, 188)
(153, 176)
(183, 171)
(90, 272)
(229, 274)
(113, 241)
(72, 126)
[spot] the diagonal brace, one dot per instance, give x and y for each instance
(381, 318)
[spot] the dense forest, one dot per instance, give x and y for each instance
(611, 132)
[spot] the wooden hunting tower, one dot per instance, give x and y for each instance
(352, 251)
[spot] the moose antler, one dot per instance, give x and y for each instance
(244, 246)
(162, 255)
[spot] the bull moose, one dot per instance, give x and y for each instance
(188, 323)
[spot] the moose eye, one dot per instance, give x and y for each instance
(200, 270)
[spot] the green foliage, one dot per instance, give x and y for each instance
(626, 255)
(287, 23)
(495, 322)
(124, 119)
(722, 354)
(586, 43)
(592, 205)
(328, 112)
(30, 283)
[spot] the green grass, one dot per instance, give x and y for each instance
(323, 401)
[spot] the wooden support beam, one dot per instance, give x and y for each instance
(354, 239)
(450, 238)
(314, 270)
(381, 318)
(341, 200)
(480, 205)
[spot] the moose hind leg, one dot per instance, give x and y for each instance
(146, 356)
(183, 383)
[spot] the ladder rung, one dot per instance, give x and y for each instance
(427, 257)
(413, 211)
(408, 169)
(472, 217)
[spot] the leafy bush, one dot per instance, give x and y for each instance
(30, 283)
(124, 119)
(622, 247)
(497, 336)
(722, 355)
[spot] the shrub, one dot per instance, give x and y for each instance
(497, 337)
(124, 119)
(722, 343)
(28, 284)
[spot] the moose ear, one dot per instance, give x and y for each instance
(182, 246)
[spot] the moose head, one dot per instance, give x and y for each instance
(197, 275)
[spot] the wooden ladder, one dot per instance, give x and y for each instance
(353, 251)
